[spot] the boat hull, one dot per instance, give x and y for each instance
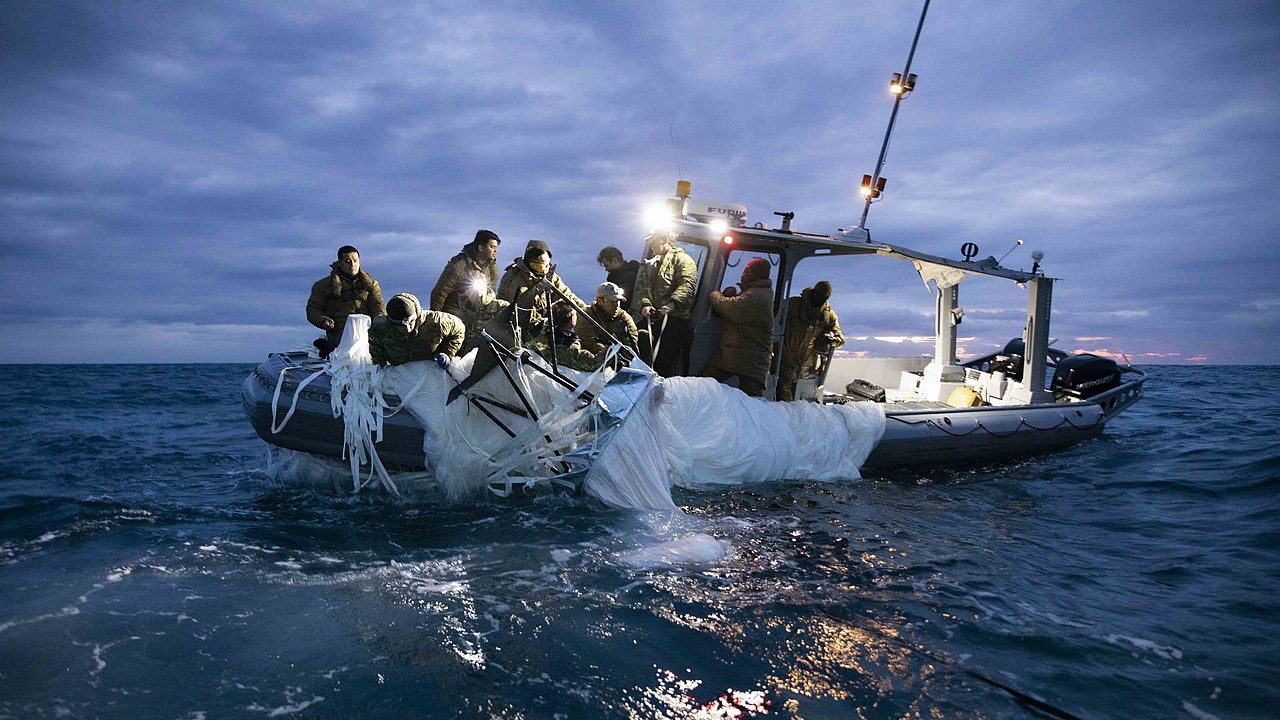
(939, 436)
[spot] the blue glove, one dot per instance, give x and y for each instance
(442, 360)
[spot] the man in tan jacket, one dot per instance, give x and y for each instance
(746, 338)
(664, 295)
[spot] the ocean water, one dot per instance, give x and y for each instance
(152, 566)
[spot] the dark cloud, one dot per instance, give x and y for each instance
(182, 169)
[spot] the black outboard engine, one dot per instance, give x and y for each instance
(1085, 375)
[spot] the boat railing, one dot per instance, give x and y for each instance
(1118, 398)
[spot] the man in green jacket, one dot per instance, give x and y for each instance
(608, 314)
(746, 338)
(664, 296)
(347, 290)
(569, 352)
(522, 285)
(812, 327)
(476, 307)
(476, 265)
(408, 333)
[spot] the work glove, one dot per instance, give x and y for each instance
(442, 360)
(730, 291)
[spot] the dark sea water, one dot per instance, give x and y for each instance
(150, 566)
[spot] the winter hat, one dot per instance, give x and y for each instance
(610, 291)
(484, 236)
(756, 269)
(821, 292)
(534, 247)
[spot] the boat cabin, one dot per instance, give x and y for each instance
(718, 239)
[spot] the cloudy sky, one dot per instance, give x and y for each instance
(174, 176)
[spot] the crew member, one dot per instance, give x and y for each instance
(746, 339)
(622, 272)
(348, 290)
(812, 329)
(522, 285)
(608, 314)
(478, 262)
(568, 350)
(476, 307)
(664, 295)
(408, 333)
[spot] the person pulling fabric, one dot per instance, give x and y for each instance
(812, 329)
(746, 339)
(347, 290)
(568, 351)
(408, 333)
(521, 285)
(664, 295)
(608, 313)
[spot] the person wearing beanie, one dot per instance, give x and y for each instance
(663, 304)
(608, 313)
(347, 290)
(476, 265)
(408, 333)
(812, 330)
(622, 272)
(521, 285)
(746, 336)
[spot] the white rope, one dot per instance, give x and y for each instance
(656, 343)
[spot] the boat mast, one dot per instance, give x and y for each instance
(901, 85)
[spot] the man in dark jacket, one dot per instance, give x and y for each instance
(622, 272)
(347, 290)
(477, 264)
(812, 327)
(408, 333)
(746, 338)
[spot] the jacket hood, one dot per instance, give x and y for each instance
(415, 309)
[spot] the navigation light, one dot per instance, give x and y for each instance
(727, 239)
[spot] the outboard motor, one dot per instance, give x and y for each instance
(1085, 375)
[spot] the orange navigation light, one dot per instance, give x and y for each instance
(727, 239)
(684, 188)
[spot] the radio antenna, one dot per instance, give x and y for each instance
(901, 85)
(671, 133)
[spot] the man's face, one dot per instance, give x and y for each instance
(349, 263)
(611, 264)
(609, 305)
(489, 250)
(540, 263)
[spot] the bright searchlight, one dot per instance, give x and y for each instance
(657, 216)
(718, 226)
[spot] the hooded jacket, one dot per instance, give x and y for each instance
(805, 324)
(620, 325)
(337, 296)
(667, 279)
(461, 269)
(431, 332)
(519, 279)
(746, 340)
